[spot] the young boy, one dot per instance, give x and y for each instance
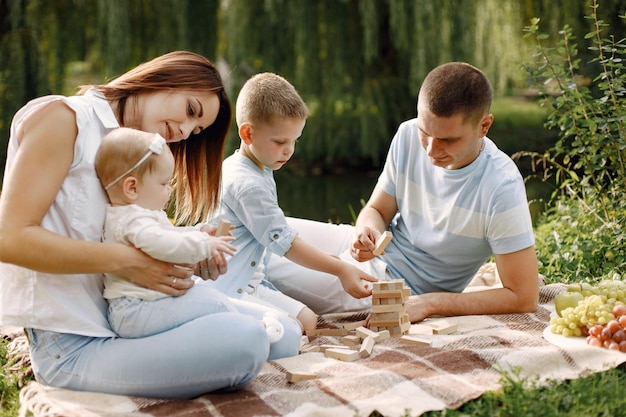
(135, 169)
(270, 117)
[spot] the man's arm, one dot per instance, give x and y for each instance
(520, 292)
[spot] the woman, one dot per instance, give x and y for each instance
(51, 219)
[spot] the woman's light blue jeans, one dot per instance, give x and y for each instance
(207, 346)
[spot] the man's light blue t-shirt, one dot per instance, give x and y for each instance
(449, 222)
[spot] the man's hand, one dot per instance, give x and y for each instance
(364, 243)
(417, 308)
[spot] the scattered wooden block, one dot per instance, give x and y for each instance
(345, 355)
(223, 228)
(351, 340)
(382, 243)
(304, 340)
(382, 335)
(311, 348)
(299, 376)
(415, 340)
(444, 327)
(363, 332)
(326, 332)
(353, 324)
(324, 348)
(366, 347)
(421, 329)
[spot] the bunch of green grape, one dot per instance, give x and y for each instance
(595, 308)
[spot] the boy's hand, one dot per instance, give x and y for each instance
(351, 280)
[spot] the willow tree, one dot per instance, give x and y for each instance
(359, 64)
(39, 39)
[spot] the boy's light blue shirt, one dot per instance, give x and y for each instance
(450, 221)
(250, 203)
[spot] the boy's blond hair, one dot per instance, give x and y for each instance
(267, 95)
(120, 150)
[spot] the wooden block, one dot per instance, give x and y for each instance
(392, 284)
(402, 294)
(415, 340)
(223, 228)
(351, 340)
(388, 323)
(366, 347)
(326, 332)
(363, 332)
(382, 335)
(353, 324)
(304, 340)
(311, 348)
(421, 329)
(323, 348)
(382, 243)
(402, 329)
(299, 376)
(392, 315)
(388, 308)
(345, 355)
(444, 327)
(405, 327)
(387, 319)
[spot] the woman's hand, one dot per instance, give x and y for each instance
(156, 275)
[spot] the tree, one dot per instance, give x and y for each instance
(357, 63)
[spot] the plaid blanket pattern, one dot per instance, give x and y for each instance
(395, 379)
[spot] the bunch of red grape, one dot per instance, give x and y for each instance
(611, 335)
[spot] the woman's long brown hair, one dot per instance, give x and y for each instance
(197, 175)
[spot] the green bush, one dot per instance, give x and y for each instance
(582, 235)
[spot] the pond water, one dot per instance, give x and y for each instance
(336, 198)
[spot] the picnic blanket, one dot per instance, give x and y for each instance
(395, 380)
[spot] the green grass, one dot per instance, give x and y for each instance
(599, 394)
(9, 390)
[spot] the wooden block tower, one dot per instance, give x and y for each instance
(388, 309)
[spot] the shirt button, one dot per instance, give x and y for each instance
(275, 236)
(253, 263)
(239, 291)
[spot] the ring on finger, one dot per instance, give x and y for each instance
(174, 279)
